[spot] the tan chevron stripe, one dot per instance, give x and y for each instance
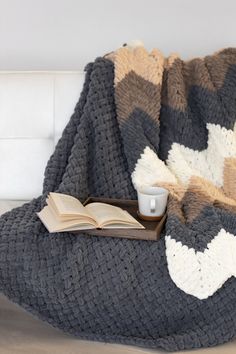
(181, 198)
(213, 66)
(218, 65)
(180, 77)
(208, 72)
(174, 90)
(147, 65)
(230, 177)
(135, 92)
(188, 202)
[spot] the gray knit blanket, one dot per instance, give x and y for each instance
(141, 119)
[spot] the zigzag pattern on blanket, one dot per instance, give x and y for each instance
(145, 116)
(138, 84)
(198, 144)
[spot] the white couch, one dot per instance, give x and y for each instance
(34, 108)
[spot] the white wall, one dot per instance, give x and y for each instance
(66, 34)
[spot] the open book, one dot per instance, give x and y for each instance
(66, 213)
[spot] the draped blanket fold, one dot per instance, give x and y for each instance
(141, 119)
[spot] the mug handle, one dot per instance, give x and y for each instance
(152, 205)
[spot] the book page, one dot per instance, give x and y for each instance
(53, 224)
(66, 205)
(106, 214)
(122, 225)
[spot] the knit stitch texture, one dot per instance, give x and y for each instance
(141, 119)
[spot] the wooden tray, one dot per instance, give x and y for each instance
(152, 229)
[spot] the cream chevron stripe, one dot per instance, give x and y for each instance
(150, 169)
(201, 274)
(209, 163)
(183, 162)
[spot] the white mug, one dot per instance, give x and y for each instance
(152, 201)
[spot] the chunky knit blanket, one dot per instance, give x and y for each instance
(141, 119)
